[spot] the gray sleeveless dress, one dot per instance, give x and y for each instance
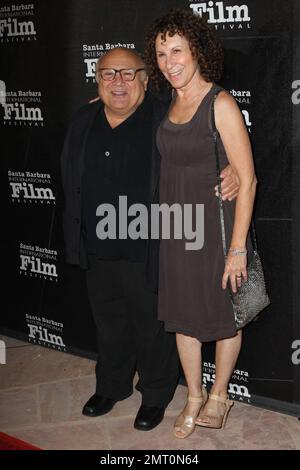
(191, 300)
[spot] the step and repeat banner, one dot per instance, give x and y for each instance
(47, 64)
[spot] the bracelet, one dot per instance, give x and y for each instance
(236, 252)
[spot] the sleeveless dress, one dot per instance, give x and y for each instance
(191, 300)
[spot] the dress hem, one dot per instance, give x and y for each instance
(215, 336)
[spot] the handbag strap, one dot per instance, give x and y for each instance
(219, 181)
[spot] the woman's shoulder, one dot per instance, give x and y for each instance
(225, 102)
(227, 112)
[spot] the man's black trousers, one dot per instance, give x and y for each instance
(130, 338)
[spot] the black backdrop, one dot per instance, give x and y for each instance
(48, 55)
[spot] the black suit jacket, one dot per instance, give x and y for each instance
(72, 167)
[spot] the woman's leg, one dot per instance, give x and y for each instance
(227, 352)
(189, 350)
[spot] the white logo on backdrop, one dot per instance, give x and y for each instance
(37, 262)
(243, 97)
(45, 332)
(92, 52)
(238, 387)
(20, 108)
(16, 23)
(223, 16)
(30, 187)
(247, 119)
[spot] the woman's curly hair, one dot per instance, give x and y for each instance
(204, 45)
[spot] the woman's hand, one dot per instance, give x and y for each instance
(235, 270)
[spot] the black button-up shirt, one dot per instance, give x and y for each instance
(117, 162)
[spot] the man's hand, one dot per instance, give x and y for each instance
(230, 184)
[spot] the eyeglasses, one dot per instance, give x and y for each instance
(128, 75)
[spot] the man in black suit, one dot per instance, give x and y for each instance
(110, 150)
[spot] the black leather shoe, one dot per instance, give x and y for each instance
(97, 406)
(148, 417)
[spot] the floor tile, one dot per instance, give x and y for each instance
(18, 407)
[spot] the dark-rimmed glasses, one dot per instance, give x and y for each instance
(128, 75)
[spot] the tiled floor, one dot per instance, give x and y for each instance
(42, 392)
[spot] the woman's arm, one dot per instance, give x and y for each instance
(229, 185)
(235, 138)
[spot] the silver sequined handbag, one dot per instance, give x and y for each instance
(251, 298)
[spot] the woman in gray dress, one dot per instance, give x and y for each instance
(193, 297)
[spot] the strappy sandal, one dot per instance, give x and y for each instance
(214, 419)
(186, 424)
